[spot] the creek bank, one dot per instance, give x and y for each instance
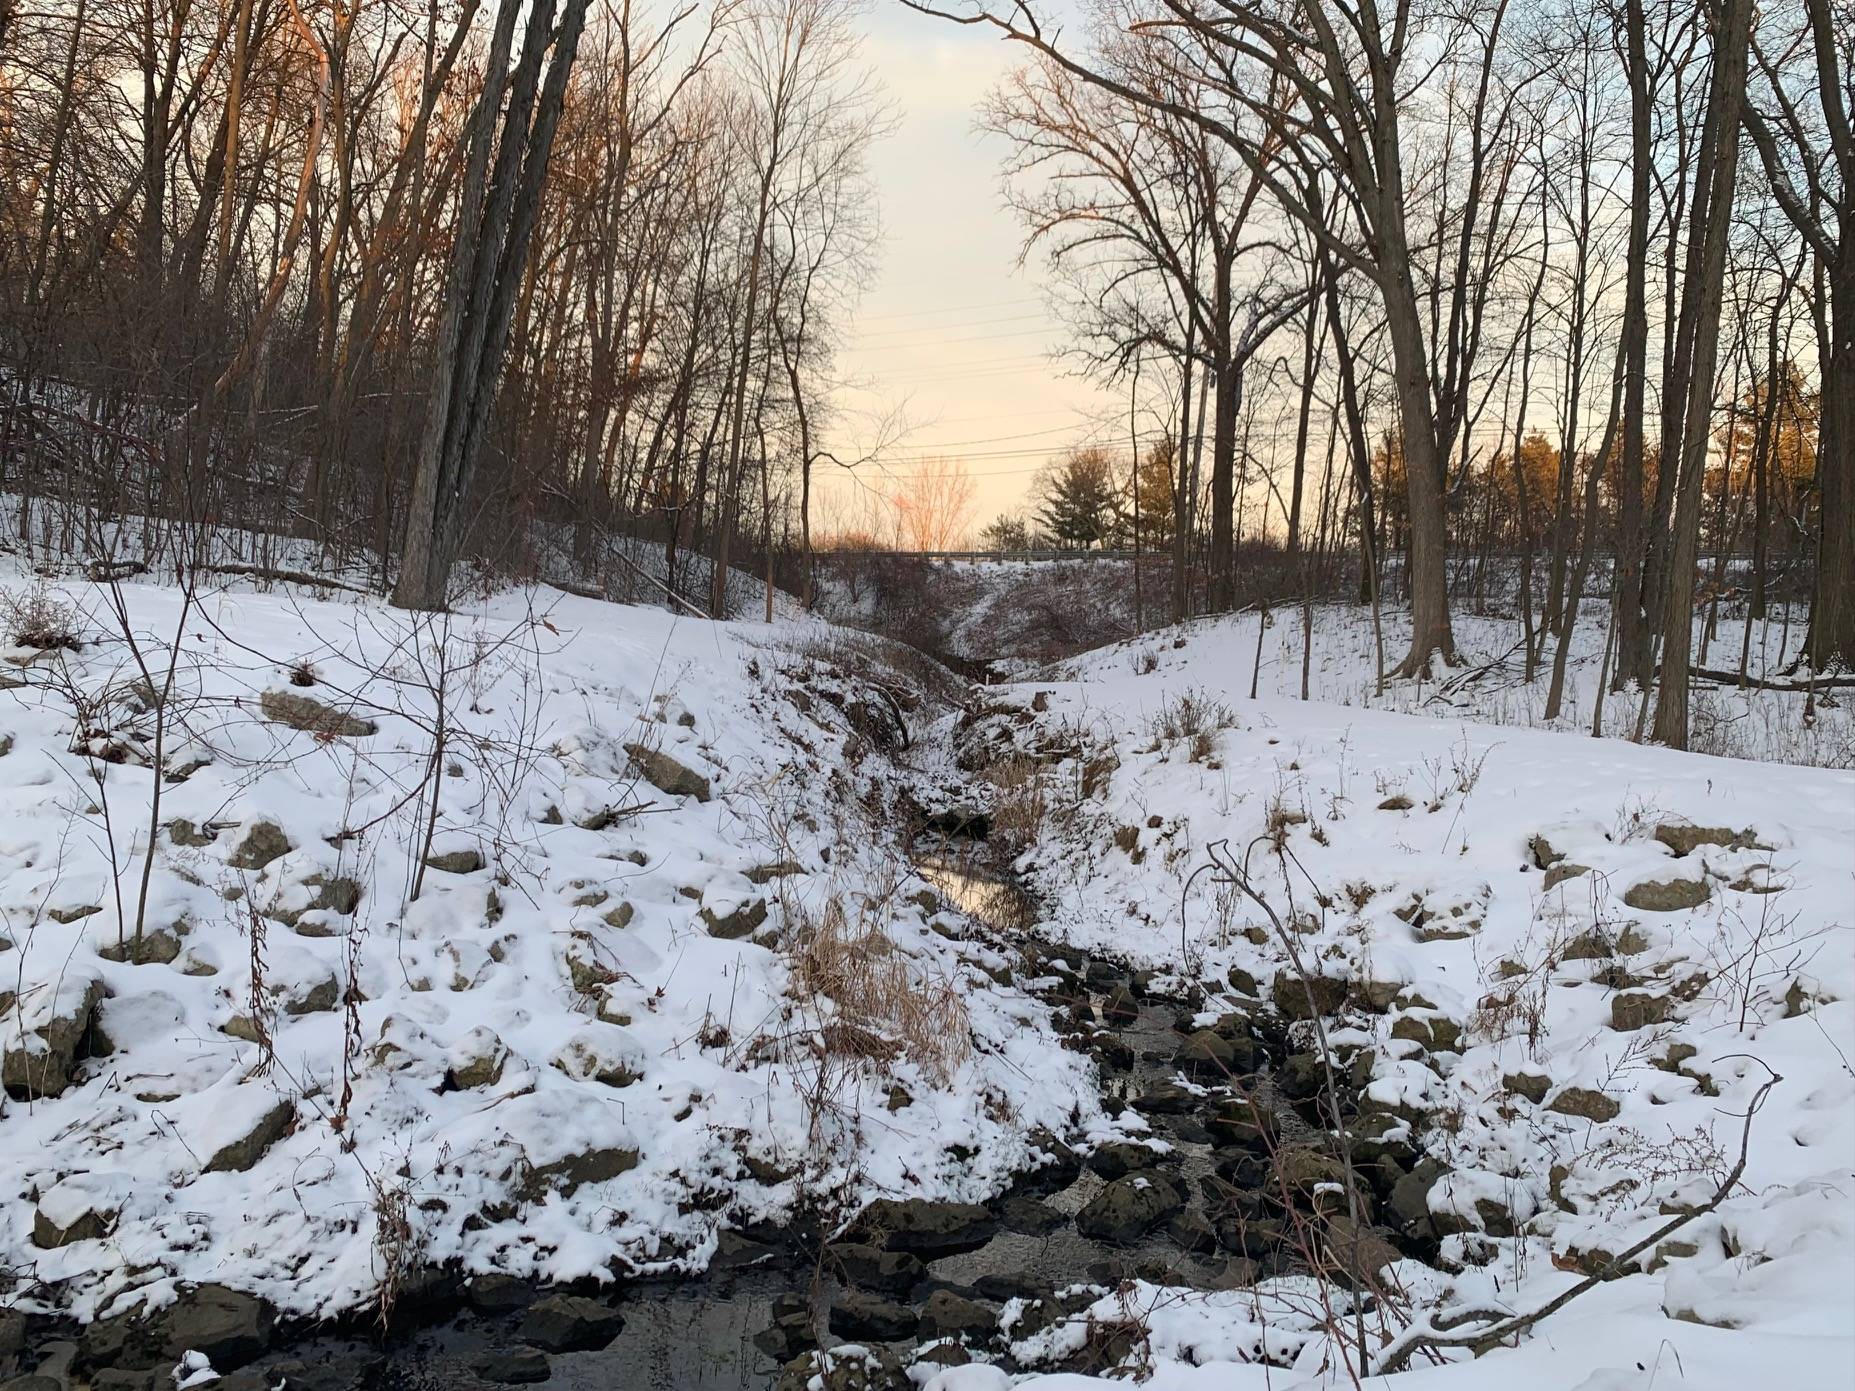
(1214, 1175)
(1213, 1181)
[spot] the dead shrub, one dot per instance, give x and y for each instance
(1020, 800)
(883, 1005)
(37, 617)
(1195, 716)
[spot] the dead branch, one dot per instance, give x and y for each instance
(1436, 1333)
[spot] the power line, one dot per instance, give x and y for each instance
(953, 308)
(923, 343)
(937, 328)
(941, 445)
(990, 367)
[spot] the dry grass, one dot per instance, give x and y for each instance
(1192, 715)
(1021, 800)
(884, 1006)
(39, 618)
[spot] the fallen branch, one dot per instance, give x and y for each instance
(1396, 1355)
(1733, 678)
(266, 572)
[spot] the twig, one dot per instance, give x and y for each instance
(1397, 1355)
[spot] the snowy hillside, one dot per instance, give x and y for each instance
(472, 969)
(546, 939)
(1556, 974)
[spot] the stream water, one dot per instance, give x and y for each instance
(710, 1332)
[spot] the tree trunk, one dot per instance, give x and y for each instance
(494, 228)
(1702, 294)
(1226, 391)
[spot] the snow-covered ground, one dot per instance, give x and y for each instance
(1491, 686)
(1570, 967)
(1017, 617)
(555, 936)
(544, 938)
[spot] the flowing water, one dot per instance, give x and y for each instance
(705, 1332)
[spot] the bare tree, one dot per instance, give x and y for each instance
(496, 218)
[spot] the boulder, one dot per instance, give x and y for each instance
(183, 832)
(872, 1268)
(405, 1049)
(602, 1053)
(732, 919)
(1685, 839)
(1437, 1032)
(570, 1323)
(227, 1327)
(495, 1293)
(1377, 996)
(1166, 1098)
(477, 1060)
(1243, 1121)
(1532, 1085)
(1559, 873)
(950, 1315)
(1235, 1273)
(124, 1379)
(1120, 1006)
(925, 1227)
(1119, 1158)
(1544, 856)
(156, 946)
(1255, 1238)
(847, 1368)
(263, 842)
(1030, 1217)
(1598, 945)
(1585, 1104)
(1409, 1200)
(1128, 1209)
(593, 1164)
(1206, 1054)
(1301, 1076)
(242, 1152)
(584, 967)
(1638, 1009)
(465, 861)
(306, 713)
(40, 1053)
(666, 774)
(1193, 1232)
(344, 1374)
(1667, 895)
(311, 997)
(84, 1207)
(619, 915)
(519, 1366)
(861, 1315)
(1300, 1169)
(1351, 1246)
(1291, 995)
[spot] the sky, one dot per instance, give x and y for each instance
(951, 331)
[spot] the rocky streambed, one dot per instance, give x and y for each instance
(1221, 1171)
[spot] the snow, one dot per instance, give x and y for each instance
(1441, 903)
(654, 1081)
(547, 1063)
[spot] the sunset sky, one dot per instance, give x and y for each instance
(951, 328)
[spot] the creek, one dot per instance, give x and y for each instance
(733, 1327)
